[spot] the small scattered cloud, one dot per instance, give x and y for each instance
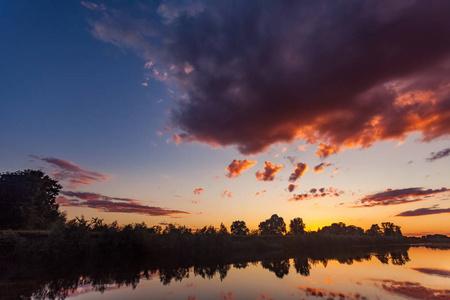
(226, 193)
(327, 150)
(292, 187)
(76, 176)
(198, 191)
(302, 148)
(144, 84)
(112, 204)
(398, 196)
(300, 169)
(260, 193)
(319, 167)
(425, 211)
(336, 171)
(176, 139)
(438, 155)
(400, 143)
(236, 167)
(284, 149)
(269, 172)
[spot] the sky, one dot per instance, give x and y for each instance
(202, 112)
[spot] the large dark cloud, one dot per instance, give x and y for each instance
(425, 211)
(399, 196)
(255, 73)
(112, 204)
(438, 155)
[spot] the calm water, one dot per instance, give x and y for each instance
(417, 273)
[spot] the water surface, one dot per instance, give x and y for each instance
(414, 273)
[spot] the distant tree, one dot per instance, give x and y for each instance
(173, 229)
(273, 226)
(28, 200)
(208, 230)
(374, 230)
(390, 229)
(239, 228)
(254, 232)
(297, 226)
(223, 229)
(341, 228)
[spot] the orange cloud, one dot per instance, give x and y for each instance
(260, 193)
(226, 194)
(298, 172)
(327, 150)
(176, 139)
(198, 191)
(236, 167)
(269, 172)
(319, 167)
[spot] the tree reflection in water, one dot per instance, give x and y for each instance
(41, 279)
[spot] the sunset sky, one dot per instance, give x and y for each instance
(202, 112)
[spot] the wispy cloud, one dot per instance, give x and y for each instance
(438, 155)
(236, 167)
(268, 174)
(198, 191)
(68, 171)
(413, 290)
(425, 211)
(318, 193)
(112, 204)
(398, 196)
(92, 5)
(433, 271)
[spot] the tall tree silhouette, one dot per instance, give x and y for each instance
(274, 225)
(297, 226)
(239, 228)
(28, 200)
